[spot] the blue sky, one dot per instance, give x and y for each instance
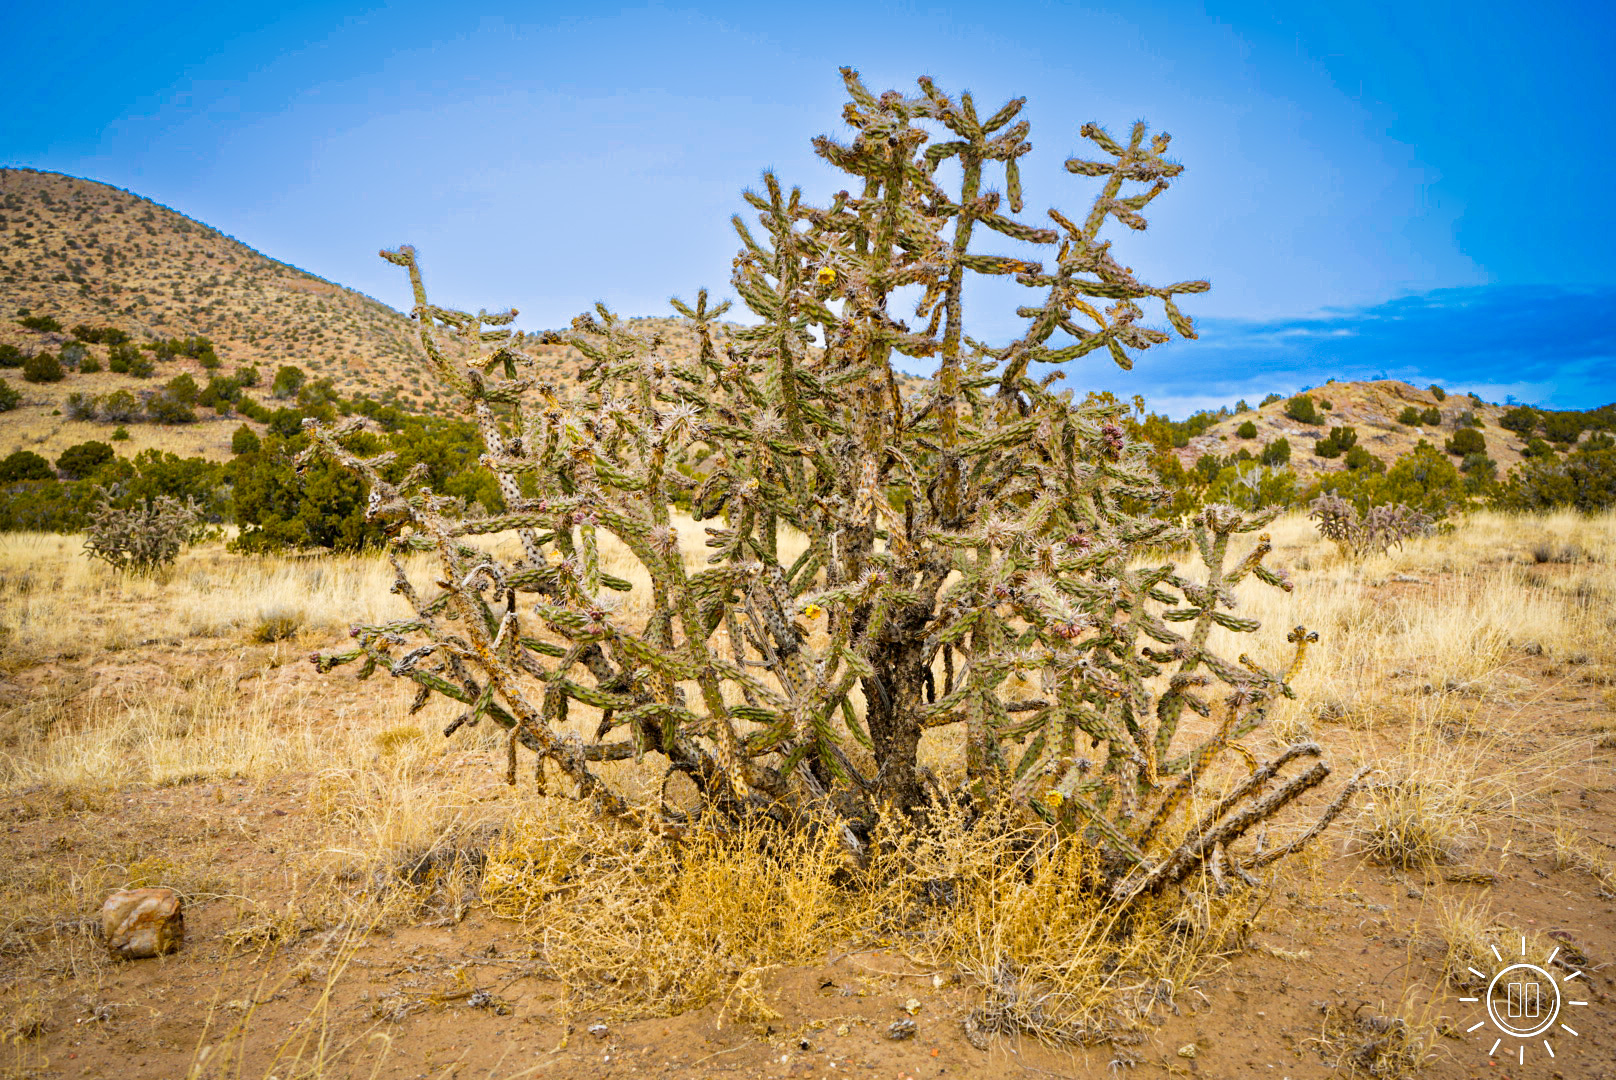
(1401, 189)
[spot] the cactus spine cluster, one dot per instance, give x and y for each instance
(976, 532)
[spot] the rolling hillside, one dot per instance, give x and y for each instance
(1372, 410)
(83, 252)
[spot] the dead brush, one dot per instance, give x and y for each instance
(635, 926)
(1364, 1042)
(640, 927)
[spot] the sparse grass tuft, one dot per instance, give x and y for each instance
(1428, 805)
(276, 624)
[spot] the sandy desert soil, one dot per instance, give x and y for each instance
(327, 846)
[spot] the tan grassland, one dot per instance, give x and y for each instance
(366, 898)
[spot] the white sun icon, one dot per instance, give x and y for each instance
(1524, 1002)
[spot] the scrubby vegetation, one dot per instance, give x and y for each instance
(803, 659)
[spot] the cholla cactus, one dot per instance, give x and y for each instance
(142, 539)
(1374, 533)
(954, 540)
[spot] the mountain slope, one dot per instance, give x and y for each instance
(1371, 409)
(85, 252)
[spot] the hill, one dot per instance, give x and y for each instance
(83, 252)
(1372, 410)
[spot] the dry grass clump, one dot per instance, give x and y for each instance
(637, 926)
(1432, 796)
(645, 927)
(1473, 944)
(1575, 851)
(1363, 1042)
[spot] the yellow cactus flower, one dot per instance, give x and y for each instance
(1053, 798)
(826, 275)
(813, 611)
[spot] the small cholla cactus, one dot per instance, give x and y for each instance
(1374, 533)
(142, 539)
(958, 541)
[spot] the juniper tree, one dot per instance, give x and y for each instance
(954, 539)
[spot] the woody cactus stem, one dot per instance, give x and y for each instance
(959, 541)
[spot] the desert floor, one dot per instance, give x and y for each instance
(335, 853)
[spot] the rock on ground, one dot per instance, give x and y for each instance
(138, 923)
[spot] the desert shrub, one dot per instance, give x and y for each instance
(1584, 480)
(194, 480)
(72, 355)
(1431, 417)
(1006, 549)
(246, 375)
(1247, 430)
(1479, 465)
(119, 407)
(1409, 417)
(1252, 487)
(281, 508)
(288, 381)
(1563, 427)
(1439, 393)
(24, 465)
(120, 434)
(1522, 419)
(80, 461)
(1599, 440)
(82, 406)
(1338, 442)
(1537, 448)
(1276, 453)
(44, 324)
(43, 367)
(11, 356)
(1326, 404)
(100, 335)
(1468, 419)
(1466, 441)
(1270, 399)
(1301, 409)
(89, 363)
(142, 539)
(9, 398)
(1372, 533)
(182, 388)
(244, 441)
(1360, 458)
(1424, 479)
(164, 407)
(220, 394)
